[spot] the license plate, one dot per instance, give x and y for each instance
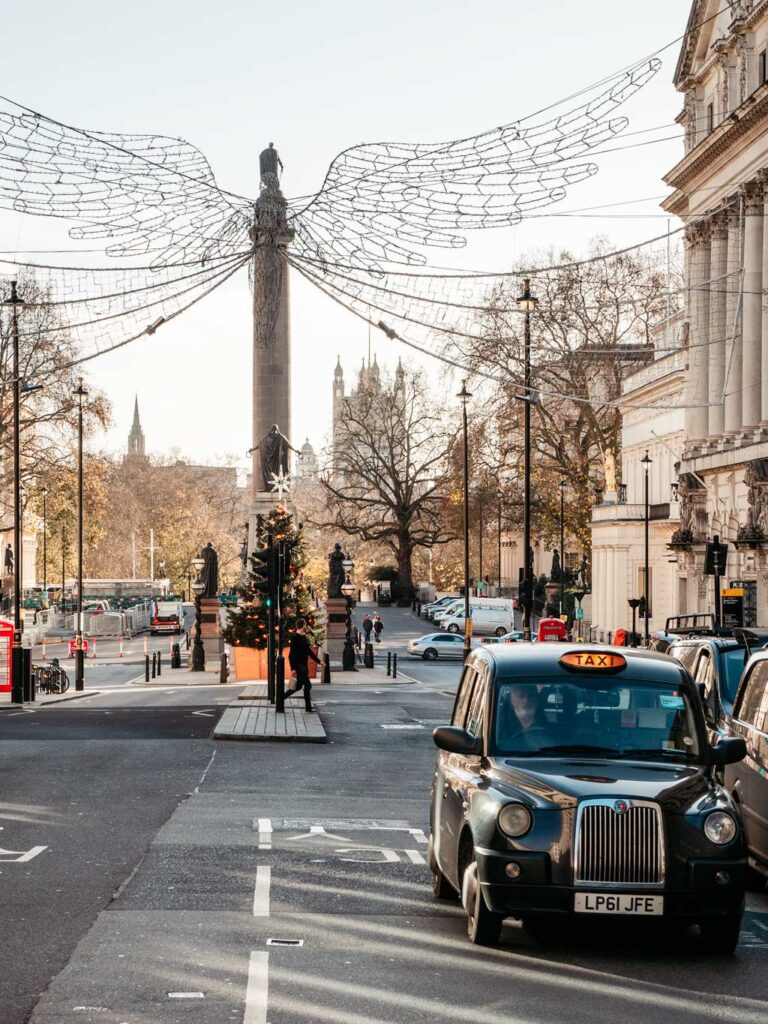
(618, 903)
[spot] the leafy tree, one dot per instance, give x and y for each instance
(384, 483)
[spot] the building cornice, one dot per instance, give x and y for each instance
(750, 118)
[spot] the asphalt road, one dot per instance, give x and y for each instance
(287, 883)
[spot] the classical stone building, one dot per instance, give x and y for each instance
(652, 426)
(719, 190)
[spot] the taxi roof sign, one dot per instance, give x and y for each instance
(594, 661)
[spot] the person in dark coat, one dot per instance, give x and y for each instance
(298, 659)
(367, 627)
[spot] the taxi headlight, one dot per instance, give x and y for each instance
(720, 828)
(515, 820)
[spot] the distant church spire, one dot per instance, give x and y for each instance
(136, 436)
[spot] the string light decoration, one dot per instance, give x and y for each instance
(155, 199)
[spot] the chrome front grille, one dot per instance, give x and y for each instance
(615, 847)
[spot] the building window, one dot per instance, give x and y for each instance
(641, 587)
(762, 68)
(710, 118)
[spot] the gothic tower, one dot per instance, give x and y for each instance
(136, 436)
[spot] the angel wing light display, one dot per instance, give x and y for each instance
(174, 234)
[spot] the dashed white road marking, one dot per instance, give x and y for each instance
(414, 856)
(418, 835)
(257, 991)
(186, 995)
(261, 891)
(264, 827)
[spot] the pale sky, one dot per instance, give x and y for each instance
(317, 78)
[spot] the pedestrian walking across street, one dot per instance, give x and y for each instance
(367, 627)
(298, 659)
(378, 626)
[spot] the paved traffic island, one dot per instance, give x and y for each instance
(258, 720)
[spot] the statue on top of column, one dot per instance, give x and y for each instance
(269, 161)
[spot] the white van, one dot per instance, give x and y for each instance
(489, 616)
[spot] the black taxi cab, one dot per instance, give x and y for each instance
(576, 780)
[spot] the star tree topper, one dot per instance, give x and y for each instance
(280, 483)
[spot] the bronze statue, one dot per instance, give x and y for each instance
(269, 161)
(336, 573)
(273, 451)
(210, 571)
(9, 561)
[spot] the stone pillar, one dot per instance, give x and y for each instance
(717, 274)
(271, 345)
(752, 319)
(763, 178)
(733, 351)
(697, 381)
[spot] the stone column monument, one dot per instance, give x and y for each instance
(271, 236)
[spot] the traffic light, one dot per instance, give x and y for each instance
(265, 573)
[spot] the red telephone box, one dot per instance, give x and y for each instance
(6, 642)
(552, 629)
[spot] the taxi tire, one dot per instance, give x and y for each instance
(453, 628)
(430, 654)
(483, 926)
(501, 631)
(721, 936)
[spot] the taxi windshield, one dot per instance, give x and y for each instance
(612, 718)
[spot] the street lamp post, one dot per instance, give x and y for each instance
(198, 651)
(499, 497)
(18, 680)
(562, 486)
(348, 589)
(527, 303)
(80, 392)
(464, 395)
(45, 539)
(646, 462)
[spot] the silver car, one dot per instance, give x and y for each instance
(437, 645)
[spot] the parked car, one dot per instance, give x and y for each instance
(430, 610)
(437, 645)
(715, 662)
(748, 780)
(484, 620)
(512, 637)
(575, 779)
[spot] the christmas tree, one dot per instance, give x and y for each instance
(248, 624)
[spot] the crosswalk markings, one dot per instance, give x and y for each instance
(261, 891)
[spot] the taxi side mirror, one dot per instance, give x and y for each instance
(728, 751)
(456, 740)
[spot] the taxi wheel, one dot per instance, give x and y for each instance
(483, 926)
(500, 631)
(430, 654)
(453, 628)
(721, 936)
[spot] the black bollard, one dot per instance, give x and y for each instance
(389, 663)
(154, 664)
(223, 671)
(394, 666)
(368, 655)
(326, 668)
(159, 668)
(280, 685)
(176, 656)
(146, 668)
